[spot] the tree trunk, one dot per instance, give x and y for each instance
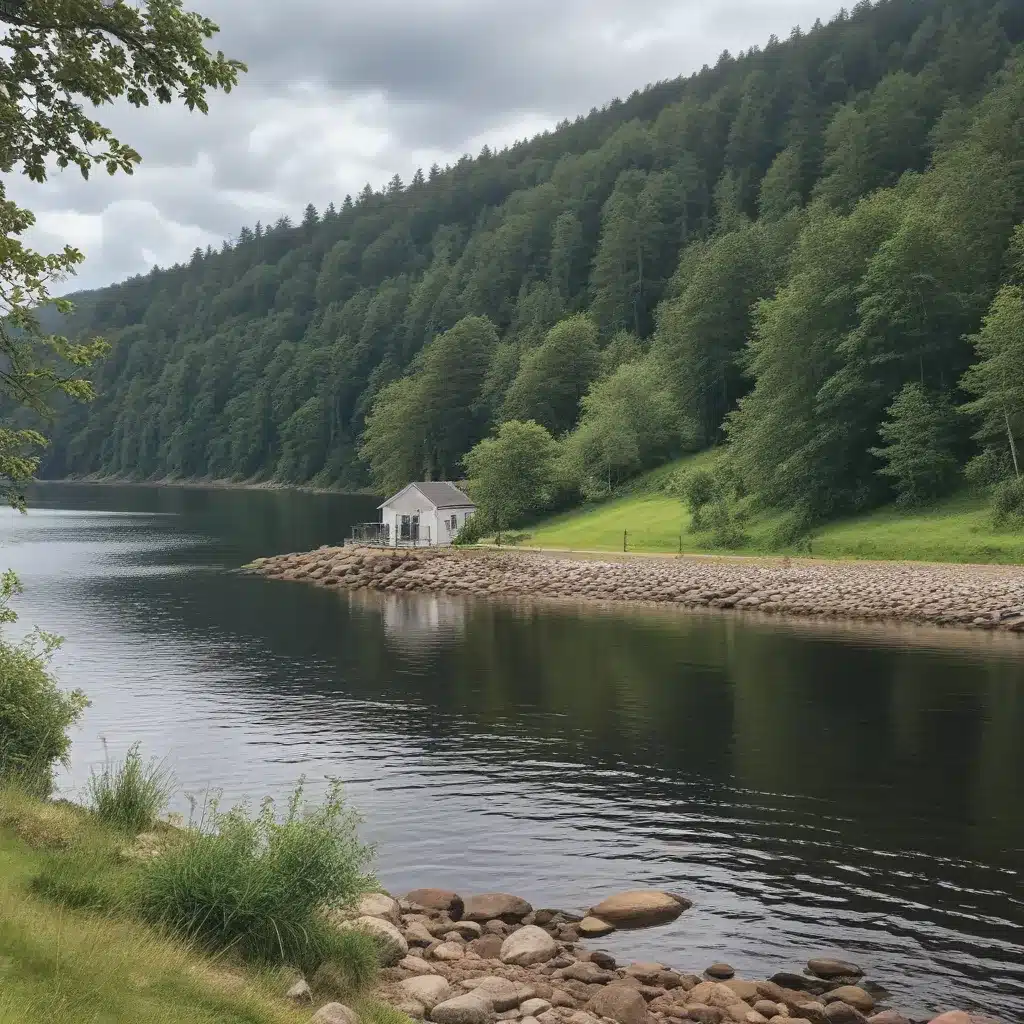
(1013, 445)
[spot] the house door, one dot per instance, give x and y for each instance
(414, 531)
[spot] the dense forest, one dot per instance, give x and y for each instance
(806, 254)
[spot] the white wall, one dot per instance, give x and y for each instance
(434, 520)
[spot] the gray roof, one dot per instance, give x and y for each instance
(439, 493)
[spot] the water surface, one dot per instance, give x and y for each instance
(815, 791)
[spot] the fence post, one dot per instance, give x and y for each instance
(680, 543)
(624, 535)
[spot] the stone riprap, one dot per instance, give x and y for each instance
(530, 966)
(970, 596)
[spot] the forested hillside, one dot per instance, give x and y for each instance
(789, 252)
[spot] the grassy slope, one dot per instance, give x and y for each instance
(69, 967)
(956, 530)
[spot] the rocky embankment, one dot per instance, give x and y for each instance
(494, 958)
(977, 597)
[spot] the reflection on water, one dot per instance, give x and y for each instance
(852, 792)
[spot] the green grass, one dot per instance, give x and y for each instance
(90, 931)
(958, 529)
(65, 966)
(130, 795)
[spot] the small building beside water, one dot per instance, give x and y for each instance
(425, 514)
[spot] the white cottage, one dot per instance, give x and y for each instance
(427, 514)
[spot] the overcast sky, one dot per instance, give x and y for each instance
(341, 92)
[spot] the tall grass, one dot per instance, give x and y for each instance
(258, 885)
(130, 795)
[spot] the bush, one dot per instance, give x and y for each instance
(130, 796)
(700, 489)
(1008, 503)
(259, 885)
(35, 714)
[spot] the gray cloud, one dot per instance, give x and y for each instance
(341, 94)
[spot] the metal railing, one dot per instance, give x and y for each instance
(379, 535)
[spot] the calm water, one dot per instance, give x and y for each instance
(857, 793)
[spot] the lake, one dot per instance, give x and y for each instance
(814, 790)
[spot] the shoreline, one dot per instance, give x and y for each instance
(491, 958)
(948, 595)
(210, 484)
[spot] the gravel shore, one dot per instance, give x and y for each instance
(965, 596)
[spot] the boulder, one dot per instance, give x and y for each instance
(952, 1017)
(603, 959)
(853, 995)
(428, 989)
(532, 1007)
(722, 972)
(746, 990)
(410, 1007)
(886, 1017)
(593, 927)
(844, 1013)
(417, 934)
(334, 1013)
(703, 1014)
(645, 972)
(467, 1009)
(588, 972)
(499, 905)
(448, 951)
(415, 965)
(619, 1003)
(487, 947)
(438, 899)
(712, 993)
(390, 941)
(826, 968)
(379, 904)
(767, 1008)
(638, 908)
(528, 945)
(501, 993)
(299, 992)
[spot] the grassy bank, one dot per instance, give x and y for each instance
(653, 521)
(59, 964)
(79, 939)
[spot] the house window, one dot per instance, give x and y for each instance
(454, 525)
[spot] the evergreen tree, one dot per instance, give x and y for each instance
(919, 450)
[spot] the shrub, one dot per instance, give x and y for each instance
(35, 714)
(1008, 503)
(130, 795)
(700, 489)
(260, 885)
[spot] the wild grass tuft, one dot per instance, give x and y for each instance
(130, 795)
(258, 885)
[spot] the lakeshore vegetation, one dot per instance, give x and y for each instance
(807, 257)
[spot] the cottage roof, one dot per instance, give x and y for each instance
(438, 493)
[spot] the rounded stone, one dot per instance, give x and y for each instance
(721, 971)
(621, 1004)
(467, 1009)
(438, 899)
(528, 945)
(448, 951)
(826, 968)
(843, 1013)
(335, 1013)
(428, 989)
(593, 927)
(853, 995)
(495, 905)
(390, 941)
(638, 908)
(379, 904)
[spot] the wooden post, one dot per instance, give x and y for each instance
(680, 543)
(624, 540)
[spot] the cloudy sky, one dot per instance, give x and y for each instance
(341, 92)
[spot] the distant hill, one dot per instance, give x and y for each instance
(665, 218)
